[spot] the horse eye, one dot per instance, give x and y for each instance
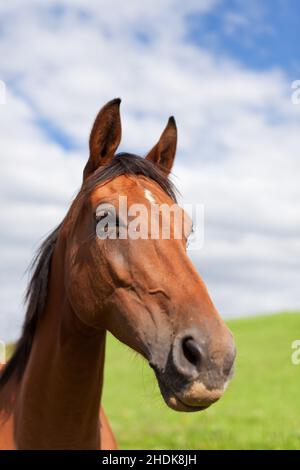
(101, 215)
(106, 214)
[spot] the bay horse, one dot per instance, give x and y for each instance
(146, 292)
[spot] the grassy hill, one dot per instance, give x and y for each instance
(260, 410)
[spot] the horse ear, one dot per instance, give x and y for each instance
(163, 153)
(105, 137)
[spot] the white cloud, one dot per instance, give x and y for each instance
(238, 139)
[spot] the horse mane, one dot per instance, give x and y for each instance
(35, 299)
(36, 293)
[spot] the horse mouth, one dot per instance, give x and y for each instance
(172, 399)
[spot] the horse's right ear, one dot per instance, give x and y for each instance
(105, 137)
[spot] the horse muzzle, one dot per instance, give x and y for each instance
(195, 375)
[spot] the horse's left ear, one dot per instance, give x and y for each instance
(105, 137)
(163, 153)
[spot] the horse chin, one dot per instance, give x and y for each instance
(175, 402)
(196, 397)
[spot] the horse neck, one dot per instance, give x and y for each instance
(59, 397)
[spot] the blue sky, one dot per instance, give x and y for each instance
(259, 34)
(223, 68)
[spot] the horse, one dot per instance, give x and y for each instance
(146, 292)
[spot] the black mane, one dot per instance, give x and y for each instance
(36, 294)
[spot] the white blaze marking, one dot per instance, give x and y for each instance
(149, 196)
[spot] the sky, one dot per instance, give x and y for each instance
(224, 69)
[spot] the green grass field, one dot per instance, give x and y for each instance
(260, 410)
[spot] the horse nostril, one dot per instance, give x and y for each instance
(191, 351)
(188, 357)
